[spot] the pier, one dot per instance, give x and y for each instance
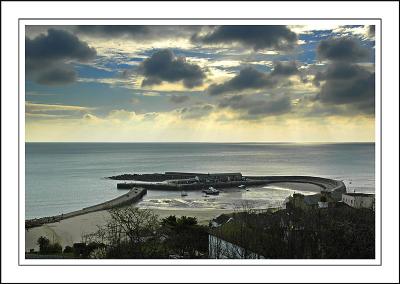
(134, 195)
(199, 181)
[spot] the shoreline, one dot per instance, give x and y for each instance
(134, 195)
(137, 189)
(71, 230)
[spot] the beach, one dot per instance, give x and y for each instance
(71, 230)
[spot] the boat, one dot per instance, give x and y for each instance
(183, 193)
(242, 186)
(211, 191)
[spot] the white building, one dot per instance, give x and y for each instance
(359, 200)
(221, 249)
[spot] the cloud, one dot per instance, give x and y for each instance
(164, 66)
(345, 83)
(54, 111)
(196, 111)
(136, 32)
(341, 49)
(35, 107)
(358, 92)
(56, 45)
(256, 37)
(46, 57)
(251, 78)
(176, 99)
(285, 69)
(339, 71)
(255, 107)
(56, 76)
(348, 84)
(248, 78)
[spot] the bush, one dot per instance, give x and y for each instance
(43, 243)
(68, 249)
(45, 246)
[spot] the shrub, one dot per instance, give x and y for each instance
(68, 249)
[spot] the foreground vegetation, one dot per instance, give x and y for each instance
(138, 233)
(330, 233)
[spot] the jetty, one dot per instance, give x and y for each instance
(198, 181)
(134, 195)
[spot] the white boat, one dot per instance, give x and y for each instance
(211, 191)
(183, 193)
(242, 186)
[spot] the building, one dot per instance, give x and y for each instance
(219, 248)
(359, 200)
(208, 178)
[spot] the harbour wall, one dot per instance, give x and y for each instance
(324, 183)
(134, 195)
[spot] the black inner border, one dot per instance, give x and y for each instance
(216, 19)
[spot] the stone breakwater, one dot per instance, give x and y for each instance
(134, 195)
(182, 182)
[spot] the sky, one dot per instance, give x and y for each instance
(234, 83)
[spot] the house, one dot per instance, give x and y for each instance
(219, 248)
(359, 200)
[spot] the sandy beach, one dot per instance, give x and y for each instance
(71, 230)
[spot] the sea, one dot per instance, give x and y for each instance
(63, 177)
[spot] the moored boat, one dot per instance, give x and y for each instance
(211, 191)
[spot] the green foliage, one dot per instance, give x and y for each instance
(68, 249)
(43, 243)
(334, 233)
(184, 236)
(46, 248)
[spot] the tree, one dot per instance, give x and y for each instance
(128, 233)
(46, 247)
(68, 249)
(184, 236)
(43, 243)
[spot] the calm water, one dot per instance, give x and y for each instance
(61, 177)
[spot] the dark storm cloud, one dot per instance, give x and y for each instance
(256, 37)
(46, 57)
(196, 111)
(136, 31)
(348, 84)
(357, 92)
(340, 71)
(285, 69)
(250, 78)
(345, 83)
(176, 99)
(58, 45)
(342, 49)
(165, 66)
(257, 107)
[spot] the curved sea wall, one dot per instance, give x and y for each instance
(325, 183)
